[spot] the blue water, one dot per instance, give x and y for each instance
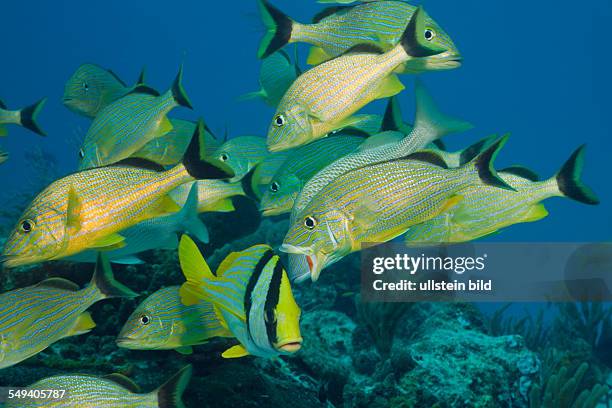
(539, 70)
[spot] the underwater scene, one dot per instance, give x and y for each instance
(272, 203)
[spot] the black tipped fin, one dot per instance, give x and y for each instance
(141, 80)
(124, 382)
(170, 394)
(474, 149)
(569, 182)
(140, 163)
(110, 71)
(439, 145)
(59, 283)
(144, 89)
(2, 104)
(104, 280)
(326, 12)
(178, 92)
(427, 156)
(29, 116)
(196, 163)
(484, 165)
(521, 171)
(392, 119)
(247, 185)
(278, 29)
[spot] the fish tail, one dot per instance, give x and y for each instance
(105, 282)
(189, 219)
(28, 117)
(248, 187)
(413, 39)
(475, 149)
(196, 270)
(278, 29)
(392, 119)
(252, 95)
(568, 179)
(482, 164)
(196, 162)
(178, 92)
(170, 394)
(433, 122)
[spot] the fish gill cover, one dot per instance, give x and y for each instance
(157, 256)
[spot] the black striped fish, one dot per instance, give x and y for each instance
(251, 292)
(163, 322)
(89, 208)
(112, 391)
(323, 98)
(128, 124)
(379, 202)
(25, 117)
(34, 317)
(91, 88)
(485, 210)
(337, 29)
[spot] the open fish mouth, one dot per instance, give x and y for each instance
(311, 258)
(290, 346)
(447, 62)
(270, 211)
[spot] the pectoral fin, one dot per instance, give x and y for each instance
(84, 324)
(317, 55)
(236, 351)
(109, 242)
(164, 127)
(184, 350)
(73, 216)
(450, 203)
(389, 87)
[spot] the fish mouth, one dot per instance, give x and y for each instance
(290, 346)
(12, 261)
(67, 99)
(271, 211)
(311, 258)
(448, 61)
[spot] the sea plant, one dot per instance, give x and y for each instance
(381, 319)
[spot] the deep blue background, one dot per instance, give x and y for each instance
(537, 69)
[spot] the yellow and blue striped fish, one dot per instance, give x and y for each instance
(89, 208)
(213, 195)
(379, 202)
(305, 162)
(91, 88)
(323, 98)
(337, 29)
(163, 322)
(34, 317)
(276, 75)
(113, 391)
(128, 124)
(251, 292)
(242, 154)
(169, 149)
(26, 117)
(263, 173)
(430, 125)
(485, 210)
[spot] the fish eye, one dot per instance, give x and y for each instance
(429, 34)
(279, 120)
(224, 157)
(310, 222)
(144, 320)
(85, 86)
(81, 153)
(26, 225)
(270, 316)
(274, 187)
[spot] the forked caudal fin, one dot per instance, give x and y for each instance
(104, 280)
(569, 182)
(28, 117)
(196, 162)
(178, 92)
(188, 218)
(278, 29)
(170, 394)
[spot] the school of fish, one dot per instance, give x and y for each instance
(341, 177)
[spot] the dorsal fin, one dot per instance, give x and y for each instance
(427, 156)
(521, 171)
(140, 163)
(124, 382)
(363, 49)
(2, 104)
(326, 12)
(59, 283)
(144, 89)
(116, 77)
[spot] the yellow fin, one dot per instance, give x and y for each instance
(166, 205)
(536, 212)
(195, 269)
(316, 56)
(184, 350)
(389, 87)
(164, 127)
(450, 203)
(73, 213)
(236, 351)
(83, 325)
(225, 264)
(109, 242)
(223, 205)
